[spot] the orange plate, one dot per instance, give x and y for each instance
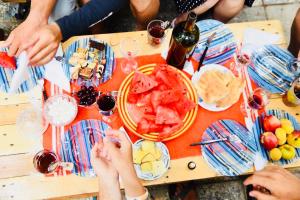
(132, 126)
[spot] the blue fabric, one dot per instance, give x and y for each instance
(91, 13)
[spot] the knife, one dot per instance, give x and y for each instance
(209, 39)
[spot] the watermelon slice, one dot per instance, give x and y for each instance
(142, 83)
(165, 115)
(183, 107)
(7, 61)
(155, 99)
(144, 99)
(170, 96)
(148, 126)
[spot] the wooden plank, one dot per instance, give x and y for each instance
(9, 113)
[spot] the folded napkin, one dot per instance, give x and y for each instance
(21, 74)
(55, 74)
(254, 38)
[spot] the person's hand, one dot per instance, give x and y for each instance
(109, 186)
(119, 150)
(42, 46)
(281, 183)
(22, 33)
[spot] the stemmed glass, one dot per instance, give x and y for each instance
(129, 48)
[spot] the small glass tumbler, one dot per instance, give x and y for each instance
(258, 99)
(107, 103)
(292, 96)
(156, 32)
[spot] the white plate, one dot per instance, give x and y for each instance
(165, 158)
(196, 77)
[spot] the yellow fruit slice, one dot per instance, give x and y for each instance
(148, 158)
(138, 156)
(148, 146)
(147, 167)
(157, 154)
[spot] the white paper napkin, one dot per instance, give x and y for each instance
(259, 162)
(21, 74)
(55, 74)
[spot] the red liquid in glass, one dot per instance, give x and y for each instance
(43, 161)
(255, 102)
(157, 32)
(106, 102)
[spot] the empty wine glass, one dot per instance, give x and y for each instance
(129, 48)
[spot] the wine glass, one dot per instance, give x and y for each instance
(129, 48)
(258, 99)
(156, 32)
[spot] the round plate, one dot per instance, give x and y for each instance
(221, 48)
(109, 56)
(77, 144)
(6, 75)
(129, 122)
(231, 157)
(258, 130)
(269, 69)
(196, 77)
(165, 158)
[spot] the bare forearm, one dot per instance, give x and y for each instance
(132, 184)
(42, 9)
(109, 189)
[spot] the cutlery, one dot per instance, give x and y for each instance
(210, 38)
(230, 138)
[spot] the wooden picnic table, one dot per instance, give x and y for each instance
(16, 179)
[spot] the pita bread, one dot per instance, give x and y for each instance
(212, 85)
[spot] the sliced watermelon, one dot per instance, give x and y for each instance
(144, 99)
(183, 106)
(165, 115)
(155, 99)
(7, 61)
(170, 96)
(133, 98)
(169, 130)
(148, 126)
(142, 83)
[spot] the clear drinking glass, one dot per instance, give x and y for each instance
(292, 96)
(46, 161)
(258, 99)
(156, 32)
(107, 102)
(129, 48)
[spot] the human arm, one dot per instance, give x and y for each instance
(91, 13)
(38, 16)
(109, 187)
(281, 183)
(121, 158)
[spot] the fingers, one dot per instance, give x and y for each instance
(43, 53)
(44, 60)
(8, 41)
(261, 196)
(41, 44)
(259, 180)
(122, 137)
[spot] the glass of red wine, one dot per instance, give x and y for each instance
(156, 32)
(258, 99)
(46, 162)
(107, 102)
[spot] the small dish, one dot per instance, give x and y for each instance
(85, 94)
(164, 159)
(60, 110)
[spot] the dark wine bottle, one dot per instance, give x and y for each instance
(184, 38)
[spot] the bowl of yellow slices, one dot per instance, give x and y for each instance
(151, 159)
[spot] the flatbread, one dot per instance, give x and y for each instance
(235, 88)
(213, 85)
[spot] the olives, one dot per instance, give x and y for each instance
(87, 95)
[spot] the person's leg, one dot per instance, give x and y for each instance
(225, 10)
(144, 11)
(294, 46)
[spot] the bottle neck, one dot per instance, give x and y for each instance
(190, 22)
